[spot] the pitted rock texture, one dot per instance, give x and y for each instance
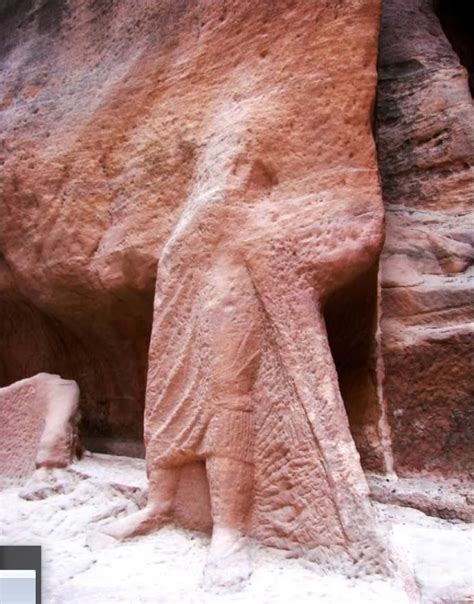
(231, 142)
(425, 136)
(112, 115)
(284, 210)
(38, 425)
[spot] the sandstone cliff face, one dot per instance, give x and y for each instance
(113, 113)
(425, 134)
(106, 111)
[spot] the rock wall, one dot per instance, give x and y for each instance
(425, 136)
(107, 108)
(104, 107)
(91, 179)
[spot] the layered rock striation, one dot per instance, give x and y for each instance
(425, 137)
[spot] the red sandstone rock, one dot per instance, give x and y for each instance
(282, 210)
(111, 122)
(426, 148)
(445, 498)
(37, 419)
(215, 137)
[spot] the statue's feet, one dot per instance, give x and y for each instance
(140, 523)
(229, 565)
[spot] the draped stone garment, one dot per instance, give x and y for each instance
(284, 208)
(204, 359)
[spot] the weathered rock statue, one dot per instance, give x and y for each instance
(204, 173)
(110, 120)
(284, 208)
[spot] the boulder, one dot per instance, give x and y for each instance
(38, 417)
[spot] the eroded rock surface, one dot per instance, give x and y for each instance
(426, 148)
(228, 146)
(111, 116)
(283, 210)
(38, 425)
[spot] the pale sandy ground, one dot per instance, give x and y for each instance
(80, 567)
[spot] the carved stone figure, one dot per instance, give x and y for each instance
(284, 210)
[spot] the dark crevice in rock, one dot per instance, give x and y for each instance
(351, 321)
(457, 20)
(104, 350)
